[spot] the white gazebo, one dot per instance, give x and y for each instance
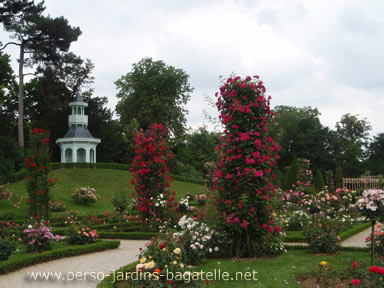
(78, 144)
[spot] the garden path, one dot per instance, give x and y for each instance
(104, 262)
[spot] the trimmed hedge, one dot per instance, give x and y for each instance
(187, 180)
(127, 235)
(107, 282)
(357, 228)
(298, 237)
(98, 165)
(32, 259)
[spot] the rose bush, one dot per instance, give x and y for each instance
(85, 196)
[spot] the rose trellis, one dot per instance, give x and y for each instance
(371, 205)
(243, 178)
(151, 176)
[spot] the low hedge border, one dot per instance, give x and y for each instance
(127, 235)
(107, 282)
(357, 228)
(11, 265)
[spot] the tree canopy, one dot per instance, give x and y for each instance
(154, 92)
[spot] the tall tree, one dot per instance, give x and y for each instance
(352, 139)
(300, 132)
(11, 156)
(42, 37)
(154, 93)
(376, 155)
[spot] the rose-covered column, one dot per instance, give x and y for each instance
(243, 179)
(151, 176)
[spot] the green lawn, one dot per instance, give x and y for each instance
(275, 272)
(279, 271)
(105, 181)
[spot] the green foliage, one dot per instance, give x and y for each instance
(339, 177)
(291, 178)
(154, 93)
(353, 137)
(197, 148)
(329, 181)
(300, 133)
(318, 182)
(25, 260)
(119, 201)
(7, 247)
(376, 155)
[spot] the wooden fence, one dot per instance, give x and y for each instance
(369, 182)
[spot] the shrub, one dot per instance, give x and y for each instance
(85, 196)
(318, 183)
(197, 240)
(38, 239)
(7, 247)
(57, 206)
(160, 258)
(291, 178)
(82, 235)
(322, 234)
(297, 220)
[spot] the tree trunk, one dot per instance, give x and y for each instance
(20, 122)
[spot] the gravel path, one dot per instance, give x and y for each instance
(357, 240)
(100, 262)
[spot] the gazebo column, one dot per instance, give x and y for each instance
(87, 151)
(74, 154)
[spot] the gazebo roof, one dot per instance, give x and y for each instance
(78, 132)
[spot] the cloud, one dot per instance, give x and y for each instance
(325, 54)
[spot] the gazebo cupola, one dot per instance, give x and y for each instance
(78, 144)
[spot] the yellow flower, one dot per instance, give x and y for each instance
(174, 262)
(142, 260)
(151, 265)
(165, 266)
(114, 227)
(181, 265)
(177, 251)
(164, 249)
(150, 257)
(323, 263)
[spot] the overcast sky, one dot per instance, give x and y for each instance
(327, 54)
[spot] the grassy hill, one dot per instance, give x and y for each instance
(105, 181)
